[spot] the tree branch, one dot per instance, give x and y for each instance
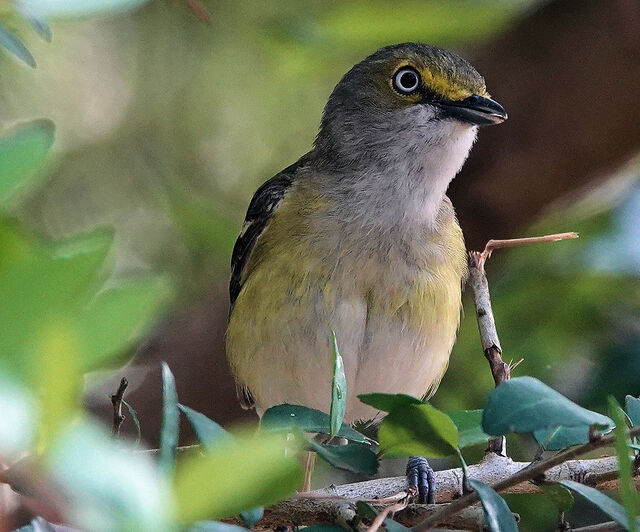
(116, 401)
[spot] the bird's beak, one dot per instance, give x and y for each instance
(476, 110)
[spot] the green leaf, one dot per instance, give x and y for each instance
(117, 317)
(388, 401)
(628, 493)
(499, 517)
(215, 526)
(418, 430)
(338, 390)
(251, 517)
(170, 422)
(610, 507)
(255, 472)
(37, 525)
(281, 418)
(632, 406)
(469, 424)
(355, 457)
(23, 149)
(18, 421)
(77, 8)
(136, 421)
(561, 496)
(41, 27)
(105, 484)
(557, 438)
(14, 45)
(208, 432)
(525, 404)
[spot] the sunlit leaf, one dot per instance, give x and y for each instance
(208, 432)
(497, 514)
(283, 417)
(610, 507)
(388, 401)
(14, 45)
(107, 486)
(469, 424)
(338, 390)
(23, 149)
(418, 430)
(170, 422)
(355, 457)
(525, 404)
(628, 493)
(254, 472)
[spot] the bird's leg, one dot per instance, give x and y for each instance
(421, 479)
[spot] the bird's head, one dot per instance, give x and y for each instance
(402, 97)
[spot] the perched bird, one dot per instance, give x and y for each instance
(359, 237)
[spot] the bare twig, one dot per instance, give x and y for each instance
(533, 471)
(377, 522)
(116, 401)
(609, 526)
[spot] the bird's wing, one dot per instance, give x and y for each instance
(264, 204)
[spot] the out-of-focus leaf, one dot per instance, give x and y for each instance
(136, 421)
(18, 419)
(14, 45)
(283, 417)
(338, 390)
(610, 507)
(251, 517)
(324, 528)
(170, 422)
(628, 493)
(355, 457)
(632, 406)
(42, 28)
(499, 517)
(469, 424)
(561, 496)
(525, 404)
(208, 432)
(388, 401)
(215, 526)
(39, 525)
(118, 316)
(255, 472)
(108, 487)
(418, 430)
(77, 8)
(23, 149)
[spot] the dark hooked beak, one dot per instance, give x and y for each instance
(476, 110)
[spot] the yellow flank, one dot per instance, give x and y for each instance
(303, 280)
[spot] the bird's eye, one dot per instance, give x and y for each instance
(406, 80)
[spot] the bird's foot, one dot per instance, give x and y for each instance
(421, 479)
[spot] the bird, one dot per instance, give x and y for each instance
(359, 238)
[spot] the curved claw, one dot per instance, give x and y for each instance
(421, 478)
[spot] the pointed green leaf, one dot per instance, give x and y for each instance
(561, 496)
(388, 401)
(41, 27)
(525, 404)
(557, 438)
(136, 420)
(252, 472)
(23, 149)
(355, 457)
(208, 432)
(632, 406)
(628, 493)
(610, 507)
(338, 389)
(14, 45)
(418, 430)
(170, 422)
(281, 418)
(499, 517)
(469, 424)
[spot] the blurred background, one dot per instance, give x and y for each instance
(170, 115)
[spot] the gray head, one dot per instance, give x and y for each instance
(403, 99)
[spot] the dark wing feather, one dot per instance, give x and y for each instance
(263, 205)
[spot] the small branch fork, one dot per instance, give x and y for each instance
(116, 401)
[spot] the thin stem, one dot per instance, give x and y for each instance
(116, 401)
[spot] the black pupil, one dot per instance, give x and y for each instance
(408, 80)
